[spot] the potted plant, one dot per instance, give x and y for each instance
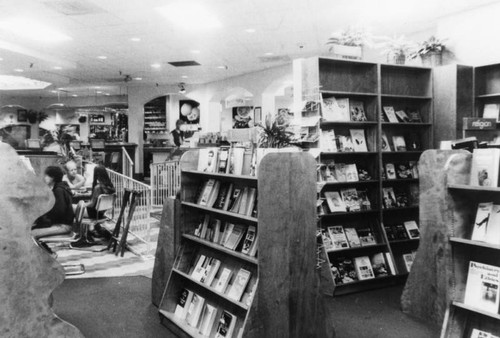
(431, 51)
(397, 49)
(348, 43)
(274, 134)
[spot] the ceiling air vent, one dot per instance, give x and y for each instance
(73, 7)
(274, 58)
(184, 63)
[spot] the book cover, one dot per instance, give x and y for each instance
(236, 161)
(223, 160)
(358, 140)
(328, 142)
(400, 232)
(336, 109)
(199, 270)
(252, 195)
(227, 199)
(389, 231)
(366, 237)
(493, 229)
(249, 239)
(213, 194)
(335, 203)
(413, 166)
(403, 171)
(226, 325)
(213, 268)
(390, 171)
(194, 311)
(357, 109)
(402, 198)
(483, 215)
(363, 174)
(242, 208)
(386, 146)
(414, 116)
(399, 143)
(207, 159)
(401, 114)
(390, 114)
(363, 268)
(413, 142)
(491, 110)
(234, 202)
(378, 265)
(234, 237)
(350, 198)
(343, 271)
(204, 226)
(220, 202)
(207, 190)
(228, 228)
(408, 259)
(217, 231)
(476, 333)
(327, 240)
(239, 285)
(345, 144)
(390, 263)
(207, 321)
(339, 239)
(223, 280)
(389, 197)
(352, 237)
(485, 165)
(181, 309)
(481, 289)
(340, 172)
(364, 201)
(351, 173)
(412, 229)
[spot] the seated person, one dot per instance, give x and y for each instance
(59, 219)
(74, 180)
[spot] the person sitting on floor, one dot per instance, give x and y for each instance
(59, 219)
(74, 180)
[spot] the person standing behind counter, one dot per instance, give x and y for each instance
(74, 180)
(178, 134)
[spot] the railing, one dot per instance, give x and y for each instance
(165, 181)
(140, 225)
(127, 164)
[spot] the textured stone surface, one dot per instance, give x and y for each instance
(28, 274)
(428, 288)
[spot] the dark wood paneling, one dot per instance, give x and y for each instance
(406, 81)
(336, 75)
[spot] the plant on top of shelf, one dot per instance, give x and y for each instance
(431, 51)
(397, 49)
(348, 43)
(274, 133)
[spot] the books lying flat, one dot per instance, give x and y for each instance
(239, 285)
(485, 167)
(363, 268)
(339, 239)
(481, 290)
(226, 325)
(181, 309)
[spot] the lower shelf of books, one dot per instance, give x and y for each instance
(368, 284)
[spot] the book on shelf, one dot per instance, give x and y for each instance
(242, 208)
(389, 197)
(181, 309)
(386, 146)
(363, 174)
(357, 110)
(226, 325)
(351, 173)
(412, 229)
(328, 142)
(345, 144)
(207, 159)
(390, 233)
(399, 143)
(400, 232)
(228, 228)
(252, 195)
(491, 111)
(413, 142)
(194, 310)
(390, 114)
(352, 237)
(414, 116)
(413, 166)
(343, 270)
(335, 109)
(211, 271)
(200, 267)
(235, 200)
(390, 263)
(408, 259)
(390, 171)
(493, 229)
(485, 167)
(481, 289)
(222, 195)
(236, 157)
(202, 229)
(340, 172)
(402, 198)
(338, 236)
(364, 268)
(476, 333)
(327, 240)
(358, 140)
(366, 237)
(414, 194)
(234, 238)
(335, 202)
(483, 216)
(223, 280)
(239, 285)
(250, 240)
(217, 231)
(223, 160)
(208, 318)
(364, 201)
(403, 170)
(379, 265)
(350, 198)
(205, 192)
(403, 117)
(213, 194)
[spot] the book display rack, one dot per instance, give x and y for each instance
(245, 240)
(376, 120)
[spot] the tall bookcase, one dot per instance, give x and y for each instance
(283, 276)
(376, 85)
(462, 200)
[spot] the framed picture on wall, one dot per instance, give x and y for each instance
(257, 111)
(96, 118)
(243, 117)
(22, 115)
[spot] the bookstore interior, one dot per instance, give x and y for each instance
(249, 168)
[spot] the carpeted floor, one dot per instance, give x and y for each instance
(121, 307)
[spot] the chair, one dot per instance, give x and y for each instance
(105, 202)
(68, 237)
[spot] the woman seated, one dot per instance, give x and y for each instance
(101, 185)
(59, 219)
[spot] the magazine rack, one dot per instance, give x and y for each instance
(285, 298)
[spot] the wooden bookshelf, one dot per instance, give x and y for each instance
(376, 85)
(283, 271)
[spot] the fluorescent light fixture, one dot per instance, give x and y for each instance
(1, 59)
(195, 51)
(222, 67)
(135, 39)
(98, 92)
(19, 70)
(53, 91)
(97, 87)
(138, 78)
(74, 95)
(189, 15)
(184, 76)
(107, 94)
(57, 67)
(269, 54)
(31, 29)
(10, 82)
(250, 30)
(156, 65)
(102, 57)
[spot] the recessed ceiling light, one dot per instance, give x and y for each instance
(74, 95)
(97, 87)
(98, 92)
(30, 29)
(57, 67)
(156, 65)
(135, 39)
(19, 70)
(107, 94)
(102, 57)
(138, 78)
(250, 30)
(269, 53)
(1, 59)
(53, 91)
(184, 76)
(195, 51)
(222, 67)
(60, 88)
(190, 16)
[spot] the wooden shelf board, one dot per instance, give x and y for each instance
(392, 65)
(363, 285)
(365, 212)
(488, 95)
(404, 241)
(410, 152)
(359, 248)
(401, 180)
(470, 188)
(406, 124)
(334, 184)
(191, 331)
(220, 248)
(474, 243)
(414, 207)
(349, 153)
(349, 123)
(211, 290)
(342, 93)
(221, 212)
(333, 59)
(406, 97)
(221, 176)
(473, 309)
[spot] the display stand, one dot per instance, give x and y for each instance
(285, 298)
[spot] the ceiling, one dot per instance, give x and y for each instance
(283, 30)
